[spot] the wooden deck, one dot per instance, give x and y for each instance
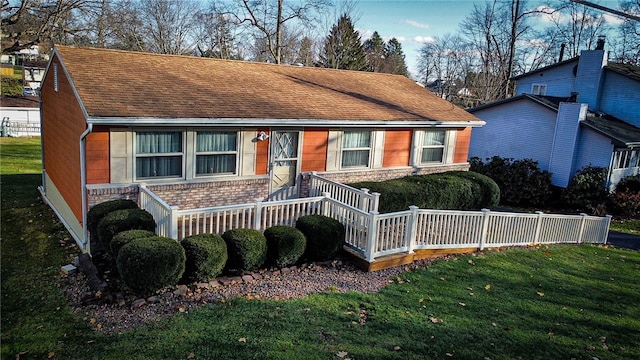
(396, 260)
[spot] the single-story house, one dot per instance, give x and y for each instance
(579, 112)
(20, 115)
(203, 132)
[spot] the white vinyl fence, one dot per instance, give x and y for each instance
(360, 199)
(373, 235)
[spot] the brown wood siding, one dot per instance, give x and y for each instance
(262, 155)
(62, 124)
(397, 148)
(97, 156)
(314, 150)
(463, 139)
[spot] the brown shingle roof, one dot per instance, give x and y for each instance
(113, 83)
(20, 101)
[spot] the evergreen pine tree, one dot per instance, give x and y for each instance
(375, 51)
(394, 59)
(343, 48)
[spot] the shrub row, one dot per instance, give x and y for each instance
(521, 182)
(460, 190)
(147, 262)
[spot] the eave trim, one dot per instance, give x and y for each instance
(135, 121)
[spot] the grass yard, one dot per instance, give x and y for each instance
(555, 302)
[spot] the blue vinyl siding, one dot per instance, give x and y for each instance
(621, 97)
(560, 81)
(565, 142)
(594, 149)
(521, 129)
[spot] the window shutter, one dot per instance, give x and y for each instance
(333, 150)
(248, 153)
(121, 160)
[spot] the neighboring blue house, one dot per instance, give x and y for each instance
(578, 112)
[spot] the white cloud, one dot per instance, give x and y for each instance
(414, 23)
(424, 40)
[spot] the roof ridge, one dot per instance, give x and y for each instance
(201, 58)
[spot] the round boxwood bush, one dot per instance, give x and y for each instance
(122, 220)
(285, 245)
(247, 249)
(124, 237)
(98, 211)
(325, 236)
(206, 257)
(149, 264)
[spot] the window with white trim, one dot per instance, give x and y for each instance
(159, 154)
(433, 145)
(216, 153)
(539, 89)
(356, 148)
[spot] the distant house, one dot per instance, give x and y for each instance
(579, 112)
(20, 115)
(202, 132)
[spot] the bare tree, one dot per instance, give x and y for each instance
(168, 25)
(268, 18)
(31, 22)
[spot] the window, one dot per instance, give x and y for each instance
(356, 147)
(433, 146)
(539, 89)
(159, 154)
(216, 152)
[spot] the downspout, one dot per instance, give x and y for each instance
(83, 185)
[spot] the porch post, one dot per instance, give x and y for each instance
(410, 233)
(485, 227)
(536, 237)
(325, 204)
(362, 201)
(582, 223)
(372, 236)
(257, 219)
(173, 223)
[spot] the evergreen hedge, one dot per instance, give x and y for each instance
(325, 236)
(124, 237)
(98, 211)
(150, 264)
(247, 249)
(456, 190)
(122, 220)
(285, 245)
(206, 257)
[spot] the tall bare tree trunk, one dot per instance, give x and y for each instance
(279, 33)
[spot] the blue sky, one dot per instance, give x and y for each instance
(416, 21)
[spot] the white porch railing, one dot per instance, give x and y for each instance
(372, 235)
(625, 162)
(360, 199)
(163, 214)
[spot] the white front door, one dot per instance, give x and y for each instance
(284, 165)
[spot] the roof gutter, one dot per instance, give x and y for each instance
(137, 121)
(83, 184)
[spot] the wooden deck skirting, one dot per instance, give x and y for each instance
(395, 260)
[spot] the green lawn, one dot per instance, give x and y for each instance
(556, 302)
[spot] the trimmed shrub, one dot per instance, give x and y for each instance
(206, 257)
(124, 237)
(521, 182)
(587, 190)
(625, 201)
(247, 249)
(285, 245)
(489, 196)
(325, 236)
(149, 264)
(456, 190)
(122, 220)
(98, 211)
